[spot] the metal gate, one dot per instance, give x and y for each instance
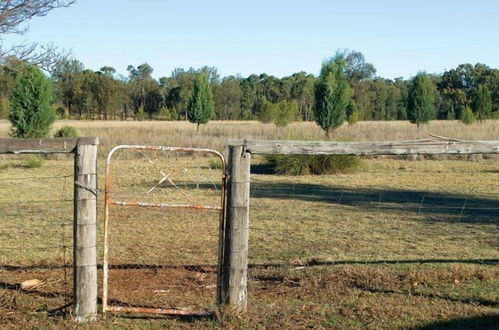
(159, 238)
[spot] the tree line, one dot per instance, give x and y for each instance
(81, 93)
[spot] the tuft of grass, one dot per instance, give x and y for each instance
(33, 162)
(66, 132)
(215, 164)
(4, 166)
(313, 164)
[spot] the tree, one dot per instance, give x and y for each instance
(356, 67)
(482, 103)
(457, 87)
(31, 114)
(13, 15)
(267, 111)
(467, 116)
(143, 90)
(287, 111)
(68, 78)
(302, 91)
(201, 108)
(421, 105)
(228, 98)
(182, 87)
(332, 94)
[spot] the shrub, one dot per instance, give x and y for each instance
(287, 111)
(467, 116)
(62, 113)
(353, 118)
(215, 164)
(33, 162)
(66, 132)
(267, 111)
(30, 112)
(168, 114)
(313, 164)
(495, 115)
(140, 116)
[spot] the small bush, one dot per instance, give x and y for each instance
(467, 116)
(353, 118)
(215, 164)
(287, 112)
(168, 114)
(66, 132)
(62, 113)
(267, 111)
(33, 162)
(313, 164)
(4, 166)
(140, 116)
(495, 115)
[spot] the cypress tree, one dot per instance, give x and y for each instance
(332, 95)
(467, 116)
(201, 108)
(31, 115)
(421, 105)
(482, 103)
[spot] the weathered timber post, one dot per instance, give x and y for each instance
(84, 232)
(234, 270)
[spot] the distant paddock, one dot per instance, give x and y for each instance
(216, 133)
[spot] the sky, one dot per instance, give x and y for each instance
(275, 37)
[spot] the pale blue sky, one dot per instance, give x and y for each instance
(276, 37)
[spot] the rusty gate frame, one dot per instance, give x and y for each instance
(108, 202)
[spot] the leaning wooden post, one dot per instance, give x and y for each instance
(234, 270)
(84, 232)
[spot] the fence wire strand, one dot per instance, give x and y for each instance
(307, 229)
(36, 215)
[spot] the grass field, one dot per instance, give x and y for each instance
(399, 244)
(216, 133)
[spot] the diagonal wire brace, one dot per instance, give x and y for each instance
(92, 190)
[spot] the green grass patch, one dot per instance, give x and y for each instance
(66, 132)
(33, 162)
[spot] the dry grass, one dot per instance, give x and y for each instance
(216, 133)
(388, 247)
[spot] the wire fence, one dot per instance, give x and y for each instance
(164, 215)
(36, 218)
(390, 212)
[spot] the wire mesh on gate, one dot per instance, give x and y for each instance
(36, 217)
(163, 209)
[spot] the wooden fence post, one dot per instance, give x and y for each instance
(84, 232)
(234, 270)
